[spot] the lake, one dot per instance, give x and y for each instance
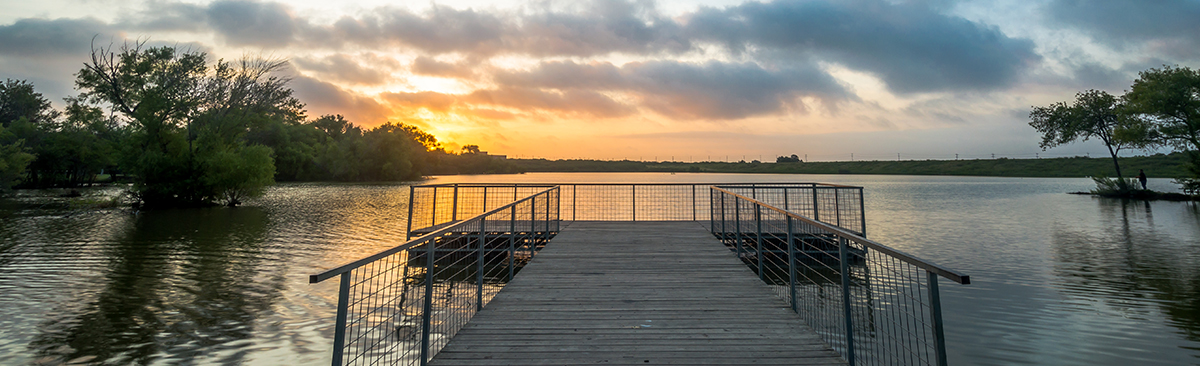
(1057, 279)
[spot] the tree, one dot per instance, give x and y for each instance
(188, 145)
(1169, 98)
(1094, 114)
(18, 100)
(13, 159)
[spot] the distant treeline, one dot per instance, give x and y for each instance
(187, 132)
(1159, 165)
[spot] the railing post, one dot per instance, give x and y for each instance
(412, 191)
(479, 264)
(816, 203)
(574, 208)
(693, 202)
(791, 248)
(433, 210)
(512, 240)
(758, 248)
(837, 207)
(935, 309)
(862, 213)
(427, 316)
(844, 254)
(785, 199)
(737, 221)
(633, 189)
(339, 330)
(485, 188)
(724, 230)
(454, 204)
(532, 225)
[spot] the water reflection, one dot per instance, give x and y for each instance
(177, 283)
(1131, 271)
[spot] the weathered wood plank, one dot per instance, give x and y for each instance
(640, 293)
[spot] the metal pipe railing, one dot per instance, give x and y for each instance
(402, 305)
(440, 204)
(874, 304)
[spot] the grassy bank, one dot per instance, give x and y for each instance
(1156, 166)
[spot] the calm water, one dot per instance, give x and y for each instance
(1058, 279)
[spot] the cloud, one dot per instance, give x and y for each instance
(249, 23)
(911, 47)
(682, 90)
(584, 102)
(600, 27)
(424, 65)
(325, 98)
(1167, 27)
(344, 68)
(433, 101)
(58, 37)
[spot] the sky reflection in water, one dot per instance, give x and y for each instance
(1057, 279)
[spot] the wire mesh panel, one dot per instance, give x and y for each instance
(400, 306)
(840, 206)
(873, 304)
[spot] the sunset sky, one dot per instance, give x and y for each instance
(689, 80)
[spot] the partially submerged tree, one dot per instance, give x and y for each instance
(1094, 114)
(189, 122)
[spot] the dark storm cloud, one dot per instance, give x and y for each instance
(911, 47)
(57, 37)
(712, 90)
(1172, 24)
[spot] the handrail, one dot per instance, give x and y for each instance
(908, 258)
(413, 243)
(758, 184)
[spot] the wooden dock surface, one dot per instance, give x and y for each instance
(644, 293)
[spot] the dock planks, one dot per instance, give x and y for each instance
(644, 293)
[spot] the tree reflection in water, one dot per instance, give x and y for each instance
(1132, 266)
(179, 282)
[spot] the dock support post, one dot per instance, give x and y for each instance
(935, 308)
(844, 255)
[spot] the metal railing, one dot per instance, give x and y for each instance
(434, 205)
(873, 304)
(402, 305)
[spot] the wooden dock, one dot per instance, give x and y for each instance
(644, 293)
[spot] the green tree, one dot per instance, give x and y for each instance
(1094, 114)
(188, 141)
(19, 100)
(13, 159)
(1169, 98)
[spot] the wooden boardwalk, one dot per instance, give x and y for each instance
(644, 293)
